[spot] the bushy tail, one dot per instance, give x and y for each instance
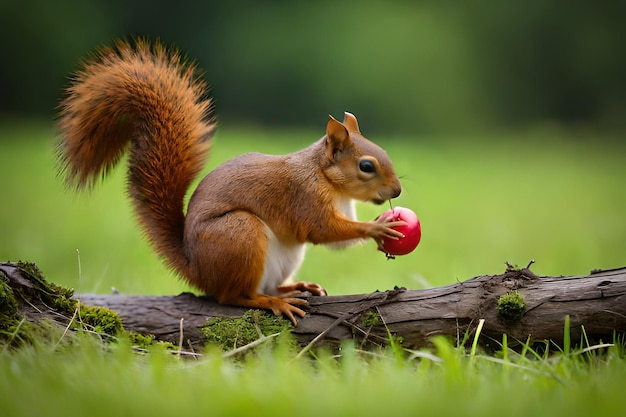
(144, 95)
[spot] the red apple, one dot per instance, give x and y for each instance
(412, 232)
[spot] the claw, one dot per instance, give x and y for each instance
(278, 306)
(288, 309)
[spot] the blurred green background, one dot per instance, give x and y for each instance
(402, 66)
(505, 121)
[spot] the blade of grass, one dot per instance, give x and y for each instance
(479, 329)
(566, 336)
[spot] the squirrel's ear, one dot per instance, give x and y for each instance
(337, 137)
(350, 122)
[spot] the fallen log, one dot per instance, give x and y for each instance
(518, 302)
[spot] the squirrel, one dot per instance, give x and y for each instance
(247, 223)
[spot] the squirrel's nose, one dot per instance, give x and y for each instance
(392, 191)
(396, 189)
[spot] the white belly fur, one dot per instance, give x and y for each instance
(281, 262)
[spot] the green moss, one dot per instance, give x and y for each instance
(512, 305)
(371, 318)
(230, 333)
(140, 340)
(8, 305)
(38, 293)
(12, 326)
(100, 320)
(60, 298)
(15, 330)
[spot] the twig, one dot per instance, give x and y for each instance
(320, 336)
(180, 337)
(249, 346)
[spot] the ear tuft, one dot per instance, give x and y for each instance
(350, 122)
(337, 137)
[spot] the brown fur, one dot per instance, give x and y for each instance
(249, 218)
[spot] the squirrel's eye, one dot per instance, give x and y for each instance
(367, 166)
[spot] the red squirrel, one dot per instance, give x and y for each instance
(248, 220)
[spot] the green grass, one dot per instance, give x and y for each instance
(540, 195)
(91, 381)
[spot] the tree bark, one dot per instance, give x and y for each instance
(595, 304)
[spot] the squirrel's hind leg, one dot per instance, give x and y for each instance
(231, 254)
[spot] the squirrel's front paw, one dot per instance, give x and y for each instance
(313, 288)
(300, 287)
(384, 228)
